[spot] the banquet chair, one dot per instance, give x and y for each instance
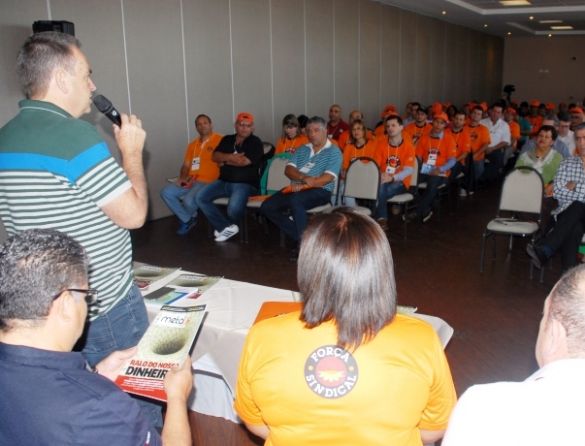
(406, 199)
(522, 192)
(362, 181)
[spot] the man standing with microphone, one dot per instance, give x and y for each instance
(57, 172)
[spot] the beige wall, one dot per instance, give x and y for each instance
(548, 69)
(168, 61)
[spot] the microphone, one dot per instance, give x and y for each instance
(107, 108)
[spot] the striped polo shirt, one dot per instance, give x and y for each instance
(56, 172)
(327, 160)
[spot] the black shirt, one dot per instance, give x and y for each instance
(253, 149)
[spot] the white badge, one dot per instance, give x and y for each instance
(390, 169)
(432, 159)
(307, 167)
(196, 163)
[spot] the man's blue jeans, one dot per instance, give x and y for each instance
(118, 329)
(387, 191)
(183, 202)
(238, 194)
(278, 206)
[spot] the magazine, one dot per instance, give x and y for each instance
(193, 282)
(167, 295)
(167, 341)
(150, 278)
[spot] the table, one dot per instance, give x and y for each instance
(232, 307)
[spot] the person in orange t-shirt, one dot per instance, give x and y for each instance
(291, 137)
(437, 151)
(359, 146)
(415, 130)
(197, 171)
(460, 133)
(480, 140)
(396, 160)
(345, 137)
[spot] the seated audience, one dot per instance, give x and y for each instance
(437, 151)
(419, 127)
(577, 117)
(50, 395)
(336, 125)
(239, 156)
(346, 369)
(462, 137)
(479, 136)
(396, 160)
(313, 171)
(558, 145)
(345, 137)
(389, 109)
(546, 162)
(197, 171)
(359, 146)
(547, 408)
(291, 137)
(569, 191)
(566, 135)
(500, 139)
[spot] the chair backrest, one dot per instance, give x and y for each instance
(415, 172)
(362, 179)
(522, 191)
(276, 177)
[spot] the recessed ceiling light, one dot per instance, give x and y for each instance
(556, 27)
(550, 35)
(509, 33)
(515, 2)
(550, 21)
(444, 12)
(531, 17)
(485, 25)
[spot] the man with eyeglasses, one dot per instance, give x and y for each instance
(50, 395)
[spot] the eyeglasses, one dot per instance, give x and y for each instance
(91, 294)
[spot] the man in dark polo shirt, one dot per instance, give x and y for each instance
(239, 156)
(50, 396)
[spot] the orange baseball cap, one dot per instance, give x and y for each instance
(576, 110)
(389, 109)
(245, 116)
(535, 103)
(511, 110)
(550, 106)
(443, 116)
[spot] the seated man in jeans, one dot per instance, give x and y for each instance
(239, 156)
(313, 170)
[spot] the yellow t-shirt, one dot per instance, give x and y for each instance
(310, 392)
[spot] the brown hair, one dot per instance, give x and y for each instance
(346, 274)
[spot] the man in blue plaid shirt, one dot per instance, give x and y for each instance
(569, 190)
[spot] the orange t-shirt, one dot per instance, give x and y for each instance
(352, 152)
(393, 159)
(463, 141)
(198, 159)
(436, 150)
(344, 138)
(479, 136)
(286, 145)
(514, 131)
(535, 122)
(415, 132)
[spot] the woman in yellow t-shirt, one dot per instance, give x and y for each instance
(346, 369)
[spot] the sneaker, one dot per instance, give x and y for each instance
(536, 254)
(462, 193)
(427, 217)
(215, 233)
(185, 228)
(383, 224)
(227, 233)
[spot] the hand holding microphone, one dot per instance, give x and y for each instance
(128, 130)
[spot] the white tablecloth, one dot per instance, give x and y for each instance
(232, 307)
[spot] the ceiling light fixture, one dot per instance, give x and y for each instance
(549, 21)
(485, 25)
(444, 12)
(558, 27)
(509, 33)
(531, 17)
(549, 35)
(515, 2)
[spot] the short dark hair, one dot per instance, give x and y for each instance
(567, 305)
(564, 116)
(346, 275)
(202, 115)
(302, 120)
(36, 265)
(393, 118)
(39, 56)
(549, 128)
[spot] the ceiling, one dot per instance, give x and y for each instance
(492, 17)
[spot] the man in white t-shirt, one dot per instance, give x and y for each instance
(500, 139)
(546, 408)
(566, 135)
